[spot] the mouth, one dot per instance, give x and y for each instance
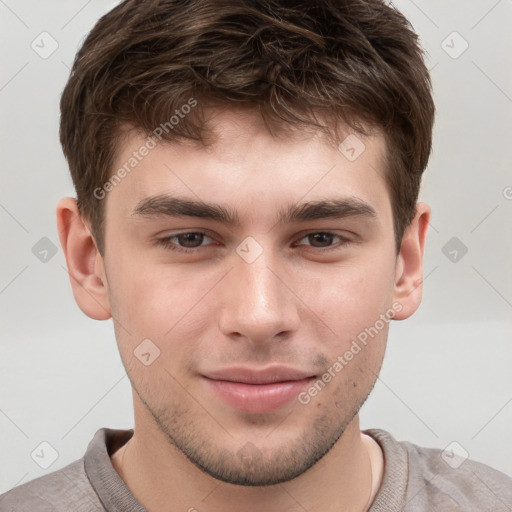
(257, 390)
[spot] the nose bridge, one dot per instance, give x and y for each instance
(258, 305)
(259, 285)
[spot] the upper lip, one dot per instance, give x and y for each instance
(266, 375)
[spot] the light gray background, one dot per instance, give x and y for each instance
(447, 373)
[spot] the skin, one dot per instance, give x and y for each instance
(300, 303)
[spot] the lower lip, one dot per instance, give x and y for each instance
(258, 398)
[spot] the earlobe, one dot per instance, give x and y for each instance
(85, 264)
(409, 265)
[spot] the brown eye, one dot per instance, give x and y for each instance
(320, 239)
(324, 240)
(184, 242)
(190, 239)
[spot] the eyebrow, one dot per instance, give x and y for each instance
(335, 208)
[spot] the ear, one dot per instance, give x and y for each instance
(85, 263)
(409, 266)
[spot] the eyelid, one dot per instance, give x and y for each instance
(166, 242)
(345, 240)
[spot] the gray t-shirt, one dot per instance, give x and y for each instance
(415, 479)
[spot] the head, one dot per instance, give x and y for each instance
(291, 138)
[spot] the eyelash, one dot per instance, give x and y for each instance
(168, 244)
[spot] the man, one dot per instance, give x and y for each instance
(247, 176)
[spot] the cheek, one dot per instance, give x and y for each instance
(351, 299)
(162, 304)
(146, 295)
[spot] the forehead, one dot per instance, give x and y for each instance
(250, 168)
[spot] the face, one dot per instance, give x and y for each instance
(236, 321)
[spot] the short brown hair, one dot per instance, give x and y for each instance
(296, 61)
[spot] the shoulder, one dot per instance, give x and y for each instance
(438, 479)
(61, 491)
(448, 479)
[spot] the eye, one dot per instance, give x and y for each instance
(184, 242)
(324, 239)
(192, 241)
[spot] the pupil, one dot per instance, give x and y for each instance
(323, 238)
(187, 239)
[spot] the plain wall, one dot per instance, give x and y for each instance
(447, 373)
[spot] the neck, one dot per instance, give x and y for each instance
(157, 473)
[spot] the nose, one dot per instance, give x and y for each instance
(258, 304)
